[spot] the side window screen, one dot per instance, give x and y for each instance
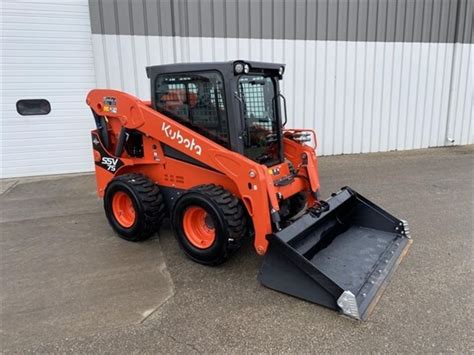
(256, 107)
(261, 143)
(30, 107)
(195, 100)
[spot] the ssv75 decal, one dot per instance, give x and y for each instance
(111, 163)
(104, 160)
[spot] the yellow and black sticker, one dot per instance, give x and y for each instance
(274, 171)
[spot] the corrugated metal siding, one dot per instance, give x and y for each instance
(46, 53)
(368, 75)
(330, 20)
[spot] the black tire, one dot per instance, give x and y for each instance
(229, 220)
(147, 202)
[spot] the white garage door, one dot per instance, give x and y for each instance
(46, 55)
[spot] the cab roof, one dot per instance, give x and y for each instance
(224, 67)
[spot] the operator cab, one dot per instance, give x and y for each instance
(236, 104)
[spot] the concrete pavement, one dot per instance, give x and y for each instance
(69, 285)
(63, 273)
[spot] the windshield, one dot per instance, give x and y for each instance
(262, 131)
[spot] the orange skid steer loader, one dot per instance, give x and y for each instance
(211, 152)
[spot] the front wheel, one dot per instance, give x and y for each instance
(134, 206)
(209, 224)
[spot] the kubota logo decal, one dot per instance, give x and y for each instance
(177, 136)
(111, 163)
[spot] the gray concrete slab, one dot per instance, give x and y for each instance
(427, 306)
(7, 184)
(63, 273)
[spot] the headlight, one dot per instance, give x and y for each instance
(238, 68)
(281, 70)
(246, 68)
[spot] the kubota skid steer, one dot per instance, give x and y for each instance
(210, 151)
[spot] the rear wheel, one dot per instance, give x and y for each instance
(209, 223)
(134, 206)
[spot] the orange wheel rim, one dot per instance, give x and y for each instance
(199, 227)
(123, 209)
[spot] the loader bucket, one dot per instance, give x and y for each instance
(340, 257)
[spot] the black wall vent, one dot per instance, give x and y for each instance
(29, 107)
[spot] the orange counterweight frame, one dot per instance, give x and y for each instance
(253, 183)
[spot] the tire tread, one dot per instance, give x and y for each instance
(152, 201)
(233, 212)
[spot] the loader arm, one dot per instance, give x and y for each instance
(251, 180)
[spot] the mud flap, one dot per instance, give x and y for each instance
(341, 257)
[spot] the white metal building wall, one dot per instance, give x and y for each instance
(359, 96)
(392, 91)
(46, 54)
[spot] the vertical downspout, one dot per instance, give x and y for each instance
(449, 136)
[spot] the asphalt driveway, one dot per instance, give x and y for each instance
(69, 285)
